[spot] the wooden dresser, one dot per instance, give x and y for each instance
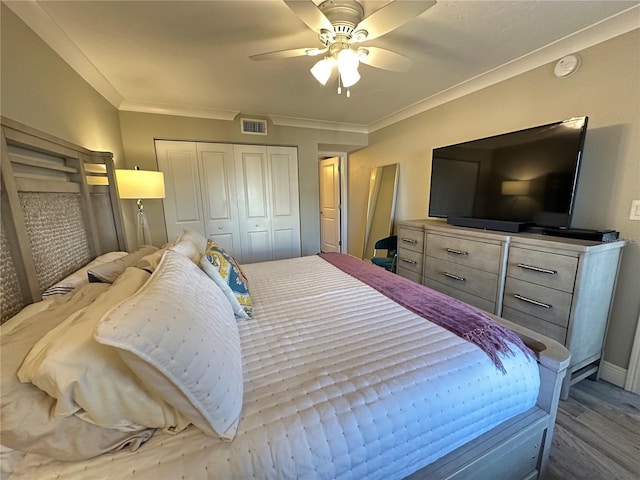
(560, 287)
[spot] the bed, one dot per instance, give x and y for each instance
(323, 368)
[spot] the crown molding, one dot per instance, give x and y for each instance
(45, 27)
(178, 110)
(602, 31)
(318, 124)
(31, 13)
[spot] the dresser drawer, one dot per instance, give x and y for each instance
(548, 329)
(481, 303)
(472, 253)
(477, 282)
(410, 260)
(547, 269)
(411, 239)
(408, 274)
(542, 302)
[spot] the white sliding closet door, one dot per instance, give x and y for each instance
(245, 197)
(285, 201)
(267, 184)
(182, 203)
(253, 203)
(219, 197)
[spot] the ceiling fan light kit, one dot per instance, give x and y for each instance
(340, 24)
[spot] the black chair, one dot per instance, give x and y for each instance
(388, 262)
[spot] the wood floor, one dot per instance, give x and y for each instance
(597, 434)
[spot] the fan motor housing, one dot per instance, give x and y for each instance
(344, 15)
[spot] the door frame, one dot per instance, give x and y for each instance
(342, 166)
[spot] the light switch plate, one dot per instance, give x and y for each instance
(635, 210)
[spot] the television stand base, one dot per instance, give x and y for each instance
(488, 224)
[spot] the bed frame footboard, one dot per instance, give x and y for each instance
(518, 448)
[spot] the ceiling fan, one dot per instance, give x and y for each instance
(341, 26)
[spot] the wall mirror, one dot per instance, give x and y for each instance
(381, 206)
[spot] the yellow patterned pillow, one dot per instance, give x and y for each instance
(226, 273)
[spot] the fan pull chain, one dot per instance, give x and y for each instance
(339, 87)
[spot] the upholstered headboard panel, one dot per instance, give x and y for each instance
(59, 211)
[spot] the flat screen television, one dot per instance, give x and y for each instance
(512, 181)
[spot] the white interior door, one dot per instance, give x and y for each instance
(329, 177)
(219, 197)
(182, 203)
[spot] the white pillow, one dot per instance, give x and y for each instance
(179, 330)
(187, 249)
(80, 276)
(194, 237)
(89, 379)
(190, 243)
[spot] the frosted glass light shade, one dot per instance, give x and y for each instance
(137, 184)
(348, 62)
(322, 70)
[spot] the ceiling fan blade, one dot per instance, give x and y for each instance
(294, 52)
(310, 14)
(384, 59)
(392, 15)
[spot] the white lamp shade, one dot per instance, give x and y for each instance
(322, 70)
(515, 187)
(137, 184)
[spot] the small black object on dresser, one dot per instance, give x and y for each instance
(583, 234)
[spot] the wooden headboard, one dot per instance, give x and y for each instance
(59, 211)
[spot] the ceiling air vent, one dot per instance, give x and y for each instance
(253, 126)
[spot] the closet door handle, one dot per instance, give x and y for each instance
(532, 301)
(408, 260)
(537, 269)
(457, 252)
(454, 277)
(409, 240)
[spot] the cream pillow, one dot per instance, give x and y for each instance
(89, 379)
(150, 262)
(179, 331)
(79, 277)
(108, 272)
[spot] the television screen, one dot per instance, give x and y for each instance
(528, 176)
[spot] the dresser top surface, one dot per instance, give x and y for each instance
(515, 239)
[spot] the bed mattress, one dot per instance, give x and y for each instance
(339, 382)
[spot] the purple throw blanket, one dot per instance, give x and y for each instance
(454, 315)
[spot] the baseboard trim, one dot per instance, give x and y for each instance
(613, 374)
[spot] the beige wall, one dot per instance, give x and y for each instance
(40, 90)
(606, 88)
(140, 129)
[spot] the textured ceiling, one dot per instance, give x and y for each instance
(179, 55)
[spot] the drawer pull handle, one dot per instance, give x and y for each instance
(408, 260)
(457, 252)
(530, 300)
(409, 240)
(537, 269)
(454, 277)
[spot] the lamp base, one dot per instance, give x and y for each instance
(143, 232)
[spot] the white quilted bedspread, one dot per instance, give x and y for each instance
(340, 382)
